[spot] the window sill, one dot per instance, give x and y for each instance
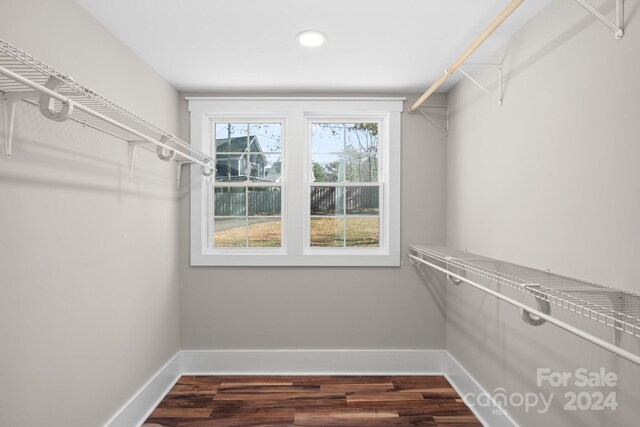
(285, 260)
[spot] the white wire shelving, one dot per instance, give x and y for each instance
(24, 78)
(617, 309)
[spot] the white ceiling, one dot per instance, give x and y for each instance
(250, 45)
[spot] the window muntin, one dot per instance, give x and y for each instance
(246, 195)
(345, 192)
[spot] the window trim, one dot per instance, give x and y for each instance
(295, 113)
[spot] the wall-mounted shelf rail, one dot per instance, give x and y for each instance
(602, 305)
(59, 97)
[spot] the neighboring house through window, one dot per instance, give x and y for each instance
(240, 157)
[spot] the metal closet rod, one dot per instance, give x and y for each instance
(65, 100)
(631, 357)
(467, 53)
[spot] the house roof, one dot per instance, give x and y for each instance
(237, 144)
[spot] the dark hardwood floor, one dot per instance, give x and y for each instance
(353, 401)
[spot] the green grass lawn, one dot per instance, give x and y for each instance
(330, 232)
(325, 232)
(261, 235)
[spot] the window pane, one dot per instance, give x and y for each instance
(229, 233)
(267, 137)
(264, 201)
(229, 201)
(231, 167)
(362, 138)
(327, 168)
(363, 232)
(361, 168)
(232, 137)
(344, 168)
(265, 167)
(347, 138)
(264, 232)
(327, 138)
(327, 232)
(327, 201)
(363, 201)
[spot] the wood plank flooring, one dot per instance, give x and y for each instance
(349, 401)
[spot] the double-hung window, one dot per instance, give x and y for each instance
(298, 181)
(245, 199)
(344, 187)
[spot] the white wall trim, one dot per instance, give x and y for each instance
(304, 362)
(310, 362)
(491, 415)
(140, 406)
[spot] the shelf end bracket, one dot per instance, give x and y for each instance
(498, 98)
(444, 129)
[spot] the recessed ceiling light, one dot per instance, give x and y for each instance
(311, 38)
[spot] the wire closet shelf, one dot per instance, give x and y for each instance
(60, 98)
(614, 308)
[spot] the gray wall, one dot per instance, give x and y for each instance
(89, 282)
(327, 308)
(549, 180)
(91, 262)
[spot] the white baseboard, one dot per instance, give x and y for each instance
(303, 362)
(310, 362)
(140, 406)
(489, 413)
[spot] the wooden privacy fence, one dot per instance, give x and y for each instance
(260, 203)
(358, 200)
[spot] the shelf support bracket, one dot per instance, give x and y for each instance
(444, 129)
(9, 112)
(179, 166)
(616, 27)
(132, 155)
(498, 98)
(543, 306)
(10, 102)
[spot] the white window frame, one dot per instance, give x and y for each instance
(297, 114)
(206, 211)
